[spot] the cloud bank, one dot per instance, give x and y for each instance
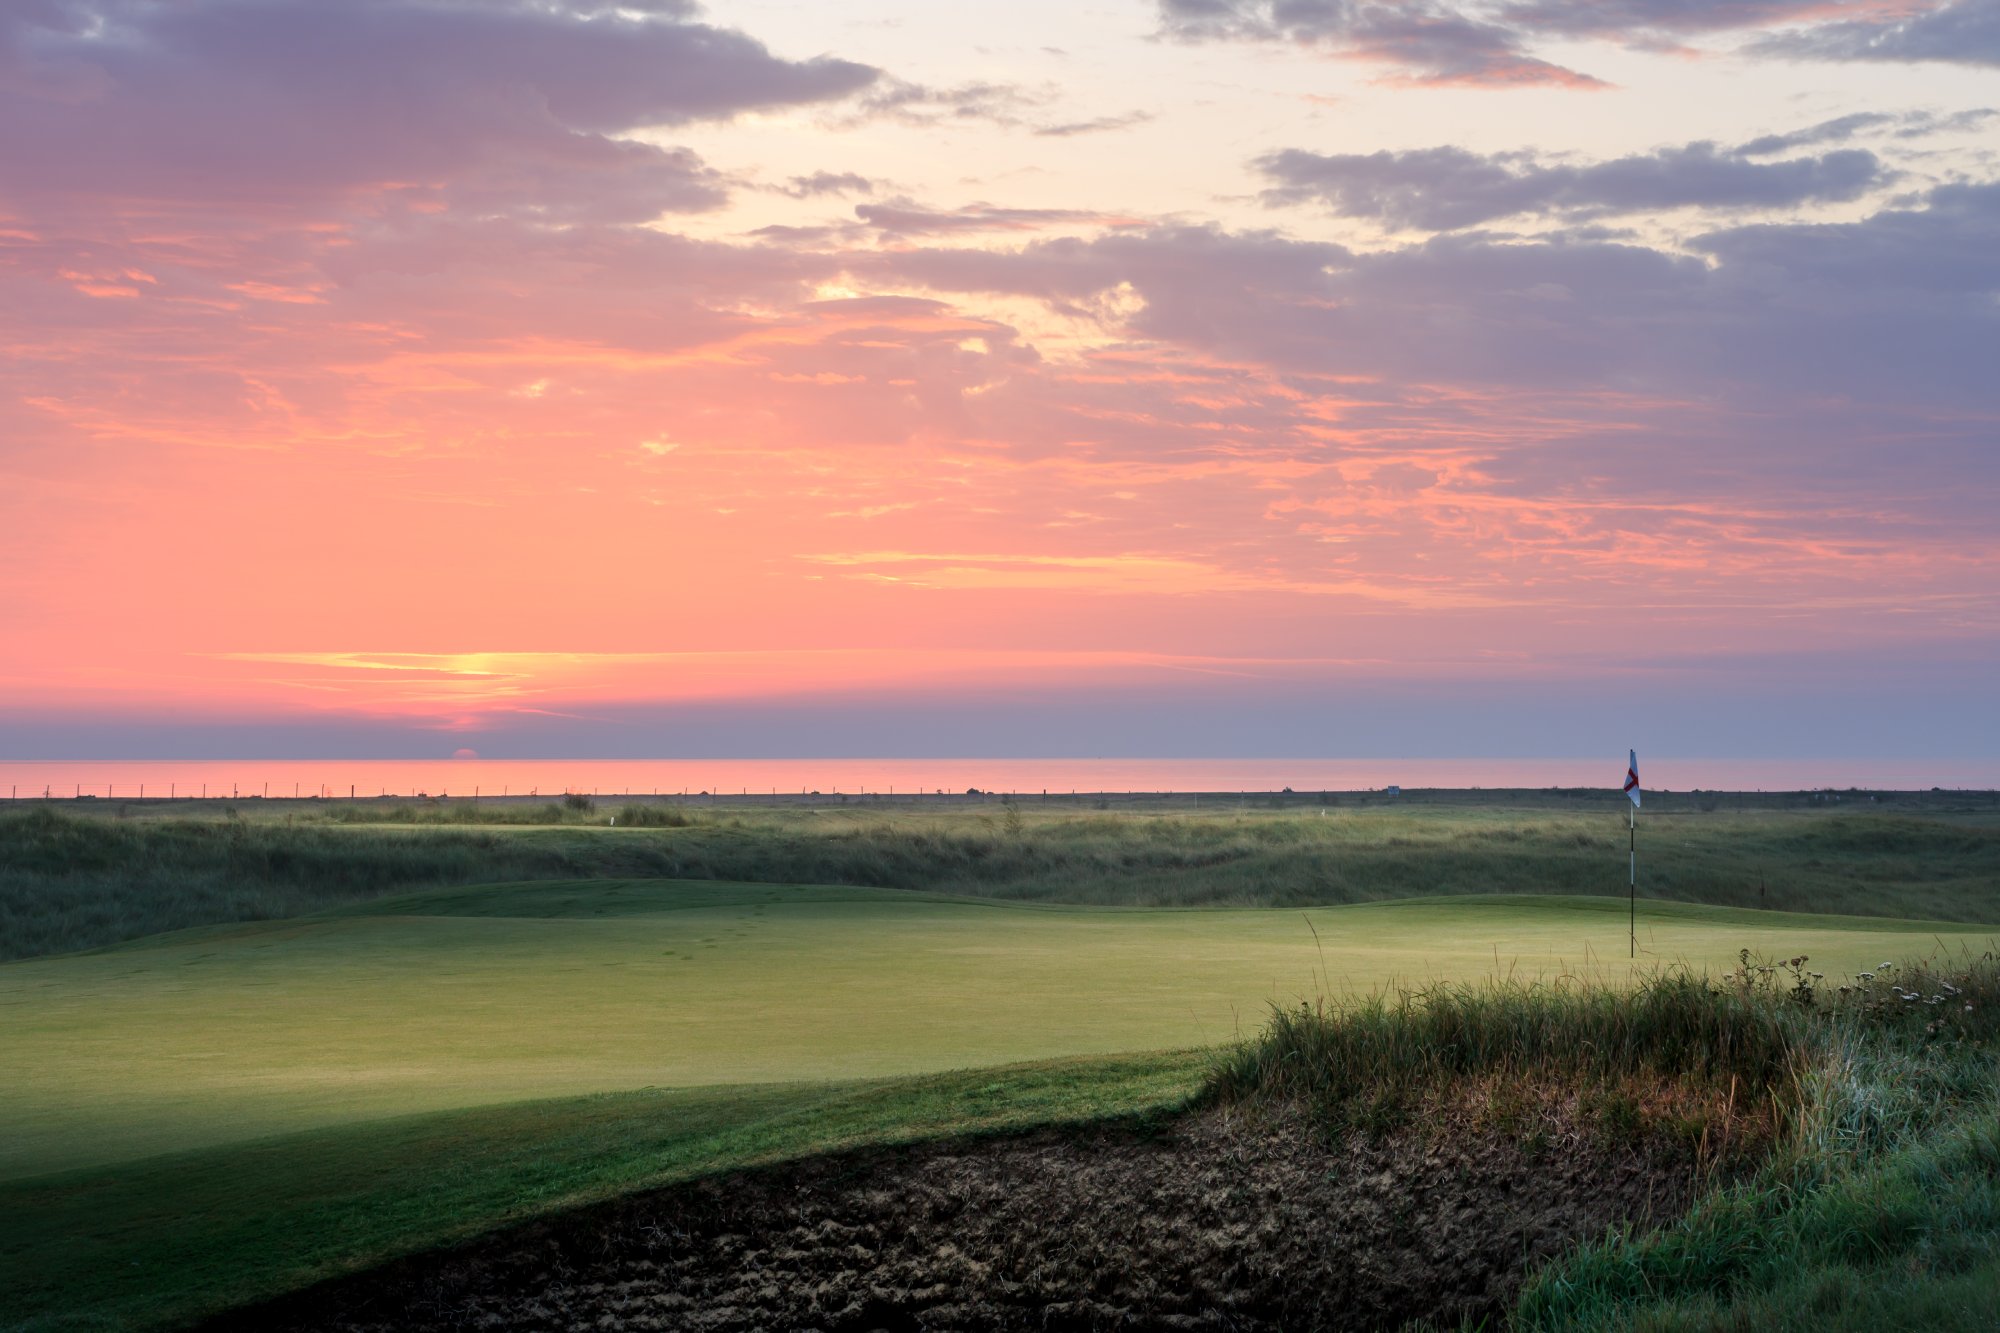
(498, 108)
(1492, 44)
(1444, 189)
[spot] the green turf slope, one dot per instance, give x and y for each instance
(167, 1240)
(475, 997)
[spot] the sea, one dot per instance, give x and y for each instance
(480, 777)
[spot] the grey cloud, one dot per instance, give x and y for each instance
(1906, 125)
(284, 100)
(805, 237)
(1433, 43)
(1443, 189)
(828, 182)
(908, 219)
(1072, 128)
(1650, 22)
(595, 180)
(1490, 41)
(1966, 32)
(1200, 284)
(1645, 22)
(1895, 314)
(1838, 130)
(1950, 247)
(1957, 122)
(920, 104)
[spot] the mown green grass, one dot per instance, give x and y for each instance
(73, 883)
(164, 1241)
(1881, 1199)
(463, 997)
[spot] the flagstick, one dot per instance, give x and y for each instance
(1632, 883)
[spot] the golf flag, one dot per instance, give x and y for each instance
(1632, 778)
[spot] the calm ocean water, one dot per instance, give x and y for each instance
(516, 777)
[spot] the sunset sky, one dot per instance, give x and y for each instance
(907, 377)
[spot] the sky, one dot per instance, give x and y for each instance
(1132, 377)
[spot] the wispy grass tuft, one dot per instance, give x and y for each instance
(1673, 1025)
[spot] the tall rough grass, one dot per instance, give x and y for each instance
(1884, 1201)
(1674, 1025)
(68, 884)
(462, 814)
(1880, 1196)
(1865, 865)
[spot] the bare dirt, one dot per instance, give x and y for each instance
(1225, 1219)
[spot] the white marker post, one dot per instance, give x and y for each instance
(1632, 871)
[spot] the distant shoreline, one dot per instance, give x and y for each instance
(1658, 801)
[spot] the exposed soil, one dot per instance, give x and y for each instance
(1234, 1219)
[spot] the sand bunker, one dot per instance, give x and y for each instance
(1226, 1218)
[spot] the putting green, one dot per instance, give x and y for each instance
(469, 997)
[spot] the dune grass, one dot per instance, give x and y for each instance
(69, 882)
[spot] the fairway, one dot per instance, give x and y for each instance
(475, 996)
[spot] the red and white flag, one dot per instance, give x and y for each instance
(1632, 778)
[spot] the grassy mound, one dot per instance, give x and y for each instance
(160, 1243)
